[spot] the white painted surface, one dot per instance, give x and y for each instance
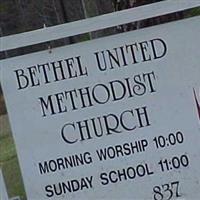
(171, 108)
(3, 191)
(95, 23)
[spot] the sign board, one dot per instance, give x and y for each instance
(3, 191)
(104, 118)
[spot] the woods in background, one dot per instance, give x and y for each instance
(18, 16)
(25, 15)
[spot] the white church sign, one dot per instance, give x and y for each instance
(112, 118)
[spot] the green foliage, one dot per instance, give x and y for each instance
(10, 166)
(13, 178)
(85, 37)
(3, 7)
(192, 12)
(7, 148)
(2, 105)
(8, 160)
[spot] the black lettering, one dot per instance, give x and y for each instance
(58, 70)
(70, 66)
(103, 177)
(101, 68)
(114, 58)
(32, 72)
(150, 77)
(83, 71)
(49, 191)
(132, 50)
(144, 50)
(121, 90)
(122, 121)
(162, 44)
(140, 88)
(104, 90)
(143, 112)
(111, 123)
(47, 105)
(22, 79)
(44, 168)
(64, 134)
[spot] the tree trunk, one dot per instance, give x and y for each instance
(157, 20)
(124, 4)
(99, 7)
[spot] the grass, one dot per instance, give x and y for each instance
(7, 148)
(13, 178)
(192, 12)
(10, 167)
(2, 106)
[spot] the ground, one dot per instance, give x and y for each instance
(8, 157)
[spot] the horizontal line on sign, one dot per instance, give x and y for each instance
(95, 23)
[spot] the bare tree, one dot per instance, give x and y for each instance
(124, 4)
(99, 7)
(25, 15)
